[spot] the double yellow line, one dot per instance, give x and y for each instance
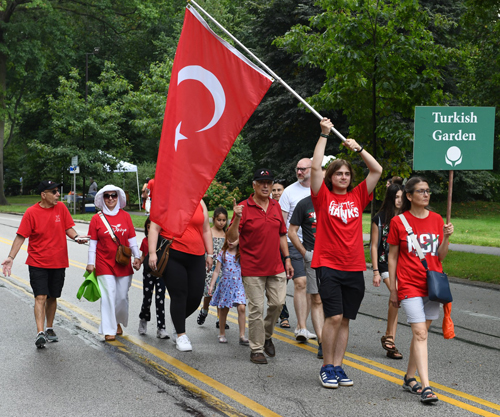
(358, 362)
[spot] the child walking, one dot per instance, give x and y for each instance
(149, 284)
(218, 236)
(230, 291)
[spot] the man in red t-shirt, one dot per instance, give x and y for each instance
(261, 229)
(46, 224)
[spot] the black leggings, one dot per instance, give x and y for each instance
(185, 280)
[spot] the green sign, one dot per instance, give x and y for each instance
(457, 138)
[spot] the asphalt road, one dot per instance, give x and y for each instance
(82, 375)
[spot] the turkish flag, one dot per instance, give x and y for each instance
(213, 92)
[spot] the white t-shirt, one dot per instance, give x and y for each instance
(290, 198)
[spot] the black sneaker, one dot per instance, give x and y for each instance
(51, 335)
(202, 317)
(40, 340)
(320, 351)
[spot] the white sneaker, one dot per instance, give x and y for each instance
(311, 335)
(143, 326)
(162, 334)
(183, 344)
(301, 335)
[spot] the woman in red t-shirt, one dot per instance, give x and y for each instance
(114, 279)
(407, 270)
(185, 271)
(338, 256)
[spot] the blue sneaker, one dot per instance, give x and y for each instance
(344, 381)
(328, 377)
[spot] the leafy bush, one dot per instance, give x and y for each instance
(219, 194)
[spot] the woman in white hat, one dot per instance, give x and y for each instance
(114, 278)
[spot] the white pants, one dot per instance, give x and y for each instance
(114, 302)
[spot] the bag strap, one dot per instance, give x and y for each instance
(108, 226)
(414, 240)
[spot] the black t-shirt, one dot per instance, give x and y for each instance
(383, 246)
(305, 217)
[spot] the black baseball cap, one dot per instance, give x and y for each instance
(263, 174)
(47, 185)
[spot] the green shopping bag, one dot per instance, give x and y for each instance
(90, 288)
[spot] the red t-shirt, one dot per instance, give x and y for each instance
(145, 246)
(151, 185)
(123, 229)
(411, 276)
(191, 240)
(339, 233)
(260, 233)
(46, 230)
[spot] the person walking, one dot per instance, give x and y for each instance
(150, 285)
(109, 228)
(185, 271)
(230, 291)
(379, 249)
(46, 224)
(259, 225)
(218, 230)
(289, 199)
(408, 280)
(338, 256)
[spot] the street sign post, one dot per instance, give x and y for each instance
(453, 138)
(74, 169)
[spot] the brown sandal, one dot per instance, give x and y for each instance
(396, 354)
(388, 341)
(119, 330)
(109, 338)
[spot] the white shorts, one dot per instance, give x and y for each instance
(420, 309)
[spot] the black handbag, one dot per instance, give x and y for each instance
(437, 282)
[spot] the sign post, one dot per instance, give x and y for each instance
(458, 137)
(74, 169)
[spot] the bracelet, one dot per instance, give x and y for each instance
(11, 257)
(75, 237)
(360, 149)
(324, 136)
(287, 257)
(375, 270)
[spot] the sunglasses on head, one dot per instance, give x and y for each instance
(113, 195)
(55, 191)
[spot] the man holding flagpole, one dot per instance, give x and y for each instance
(261, 229)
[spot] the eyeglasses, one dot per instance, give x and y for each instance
(301, 169)
(52, 191)
(422, 192)
(113, 196)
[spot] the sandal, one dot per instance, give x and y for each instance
(244, 341)
(222, 339)
(109, 338)
(428, 396)
(119, 330)
(388, 341)
(415, 388)
(285, 324)
(396, 354)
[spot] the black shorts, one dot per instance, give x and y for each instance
(47, 282)
(341, 291)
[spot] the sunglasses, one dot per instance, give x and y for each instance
(113, 196)
(52, 191)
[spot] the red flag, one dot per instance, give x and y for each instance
(213, 92)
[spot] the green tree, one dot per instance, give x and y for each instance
(380, 61)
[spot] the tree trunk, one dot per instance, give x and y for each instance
(3, 76)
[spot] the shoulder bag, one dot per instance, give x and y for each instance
(162, 252)
(437, 282)
(123, 253)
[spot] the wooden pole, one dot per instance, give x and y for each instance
(450, 194)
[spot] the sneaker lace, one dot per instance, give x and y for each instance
(341, 373)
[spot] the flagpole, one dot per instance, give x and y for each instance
(269, 70)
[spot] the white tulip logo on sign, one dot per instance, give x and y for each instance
(453, 138)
